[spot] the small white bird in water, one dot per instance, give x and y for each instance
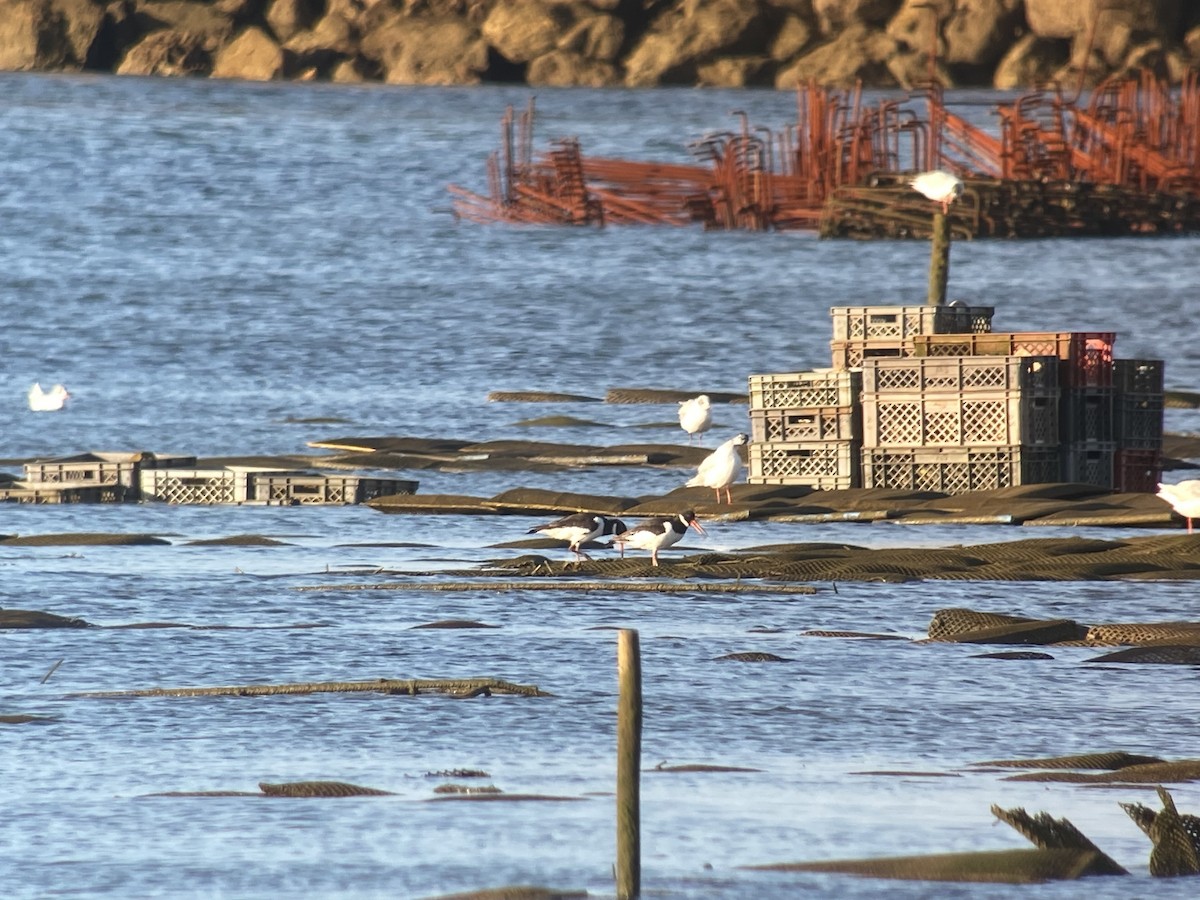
(695, 415)
(1184, 498)
(47, 401)
(940, 187)
(720, 468)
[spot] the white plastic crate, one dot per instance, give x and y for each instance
(815, 388)
(857, 323)
(960, 419)
(827, 465)
(1030, 374)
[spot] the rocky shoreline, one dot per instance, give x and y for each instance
(1004, 44)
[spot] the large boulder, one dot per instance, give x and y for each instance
(251, 56)
(965, 33)
(793, 34)
(523, 30)
(184, 16)
(1067, 18)
(41, 35)
(598, 37)
(1031, 61)
(168, 52)
(857, 53)
(978, 32)
(736, 72)
(82, 20)
(693, 33)
(426, 50)
(561, 68)
(835, 16)
(287, 18)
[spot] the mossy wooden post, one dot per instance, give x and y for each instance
(629, 758)
(939, 259)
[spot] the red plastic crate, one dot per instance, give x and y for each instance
(1137, 471)
(1087, 356)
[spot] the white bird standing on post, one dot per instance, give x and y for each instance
(940, 187)
(1184, 498)
(695, 415)
(720, 468)
(47, 401)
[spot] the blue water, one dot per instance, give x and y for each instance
(204, 263)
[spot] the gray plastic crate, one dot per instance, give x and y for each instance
(857, 323)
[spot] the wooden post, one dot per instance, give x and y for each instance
(939, 260)
(629, 758)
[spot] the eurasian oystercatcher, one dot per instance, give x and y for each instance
(720, 468)
(658, 532)
(578, 529)
(47, 401)
(695, 415)
(940, 187)
(1184, 498)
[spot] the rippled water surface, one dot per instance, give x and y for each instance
(207, 264)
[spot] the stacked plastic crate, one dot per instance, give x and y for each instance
(960, 423)
(1085, 374)
(806, 428)
(1138, 424)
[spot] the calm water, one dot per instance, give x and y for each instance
(205, 263)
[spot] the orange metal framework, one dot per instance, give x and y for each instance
(1134, 133)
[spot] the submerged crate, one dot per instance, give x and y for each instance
(1087, 415)
(193, 486)
(42, 493)
(1137, 471)
(1089, 463)
(1138, 376)
(1033, 374)
(809, 423)
(826, 465)
(858, 323)
(1086, 356)
(99, 468)
(958, 470)
(817, 388)
(304, 488)
(960, 419)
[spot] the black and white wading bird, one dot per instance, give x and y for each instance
(695, 415)
(940, 187)
(720, 468)
(658, 533)
(578, 529)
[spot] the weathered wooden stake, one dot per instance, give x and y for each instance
(629, 760)
(939, 260)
